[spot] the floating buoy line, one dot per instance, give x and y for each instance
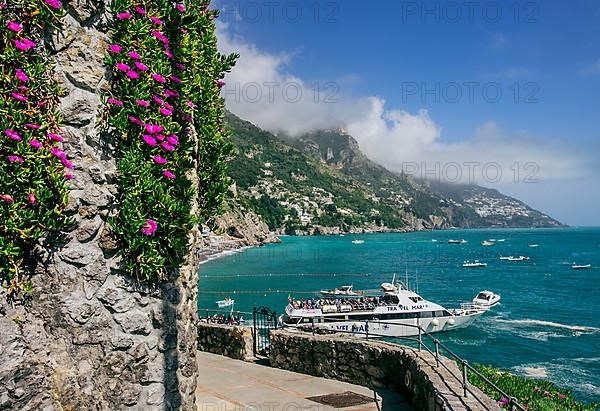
(227, 277)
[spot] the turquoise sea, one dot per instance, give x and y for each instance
(548, 323)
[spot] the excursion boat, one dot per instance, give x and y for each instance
(580, 267)
(463, 241)
(488, 243)
(395, 312)
(343, 291)
(474, 264)
(486, 299)
(358, 241)
(519, 258)
(227, 302)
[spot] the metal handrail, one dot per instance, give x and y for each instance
(512, 401)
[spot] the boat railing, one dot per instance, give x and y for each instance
(470, 307)
(216, 316)
(421, 338)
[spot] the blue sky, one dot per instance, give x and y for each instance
(382, 56)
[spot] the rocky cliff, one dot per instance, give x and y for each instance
(90, 337)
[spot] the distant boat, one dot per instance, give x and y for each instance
(502, 240)
(434, 240)
(580, 267)
(457, 241)
(474, 264)
(488, 243)
(486, 299)
(345, 291)
(341, 235)
(506, 258)
(519, 258)
(228, 302)
(358, 241)
(533, 245)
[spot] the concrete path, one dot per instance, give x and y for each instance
(230, 385)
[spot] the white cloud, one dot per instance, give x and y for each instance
(392, 137)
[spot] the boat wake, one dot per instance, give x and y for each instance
(542, 323)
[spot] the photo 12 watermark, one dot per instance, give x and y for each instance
(274, 91)
(318, 12)
(489, 12)
(473, 172)
(470, 92)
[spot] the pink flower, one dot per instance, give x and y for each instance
(141, 66)
(159, 78)
(153, 129)
(124, 16)
(168, 174)
(135, 120)
(28, 42)
(190, 104)
(32, 126)
(156, 20)
(115, 48)
(167, 146)
(157, 99)
(15, 159)
(149, 227)
(165, 112)
(180, 7)
(55, 137)
(134, 55)
(160, 137)
(220, 83)
(122, 67)
(159, 160)
(13, 134)
(536, 389)
(171, 93)
(159, 36)
(21, 76)
(67, 163)
(180, 66)
(18, 96)
(132, 74)
(546, 393)
(140, 10)
(148, 139)
(35, 144)
(169, 54)
(31, 198)
(173, 139)
(14, 26)
(142, 103)
(6, 197)
(187, 118)
(561, 396)
(54, 3)
(175, 79)
(115, 102)
(57, 152)
(69, 176)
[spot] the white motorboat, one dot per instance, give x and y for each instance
(486, 299)
(463, 241)
(344, 291)
(394, 312)
(519, 258)
(580, 267)
(474, 264)
(227, 302)
(358, 241)
(488, 243)
(506, 258)
(533, 245)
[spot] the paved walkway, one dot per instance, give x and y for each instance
(230, 385)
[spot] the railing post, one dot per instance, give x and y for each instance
(437, 352)
(464, 376)
(255, 332)
(367, 328)
(312, 322)
(420, 340)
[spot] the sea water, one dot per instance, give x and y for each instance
(548, 322)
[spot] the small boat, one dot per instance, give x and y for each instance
(474, 264)
(488, 243)
(486, 299)
(519, 258)
(228, 302)
(433, 240)
(457, 241)
(533, 245)
(580, 267)
(502, 240)
(343, 291)
(506, 258)
(358, 241)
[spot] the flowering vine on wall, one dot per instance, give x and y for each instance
(33, 166)
(166, 111)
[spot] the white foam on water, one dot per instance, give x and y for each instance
(542, 323)
(535, 372)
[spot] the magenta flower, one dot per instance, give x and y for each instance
(156, 20)
(55, 137)
(69, 176)
(159, 78)
(18, 96)
(175, 79)
(187, 118)
(35, 144)
(14, 26)
(31, 198)
(220, 83)
(115, 102)
(7, 197)
(546, 393)
(142, 103)
(173, 139)
(115, 48)
(149, 227)
(122, 67)
(180, 66)
(180, 7)
(135, 120)
(140, 10)
(21, 76)
(168, 174)
(132, 74)
(32, 126)
(171, 93)
(148, 139)
(13, 134)
(124, 16)
(157, 99)
(165, 112)
(169, 54)
(141, 66)
(160, 137)
(190, 104)
(57, 152)
(134, 55)
(153, 129)
(167, 146)
(15, 159)
(67, 163)
(159, 160)
(54, 3)
(161, 37)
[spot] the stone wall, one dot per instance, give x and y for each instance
(375, 365)
(90, 338)
(230, 341)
